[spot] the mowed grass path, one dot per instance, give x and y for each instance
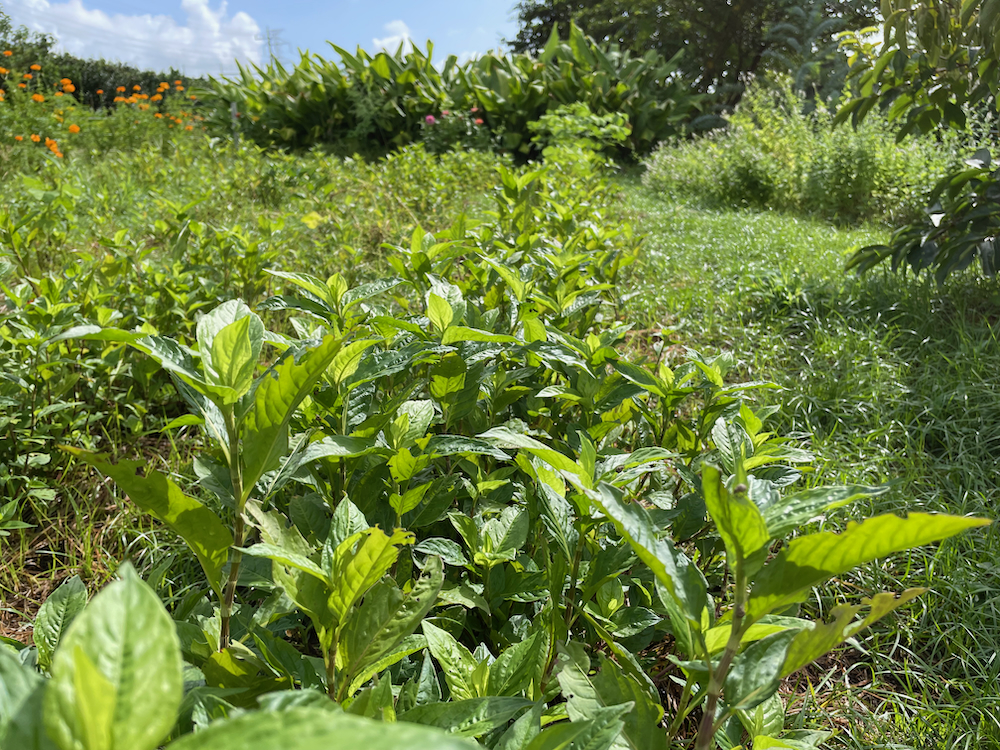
(889, 379)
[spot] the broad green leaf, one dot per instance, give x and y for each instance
(522, 731)
(346, 362)
(812, 559)
(519, 666)
(234, 354)
(439, 312)
(716, 638)
(385, 619)
(678, 576)
(22, 724)
(55, 616)
(157, 495)
(792, 511)
(287, 557)
(645, 379)
(600, 732)
(457, 664)
(316, 729)
(472, 717)
(764, 719)
(279, 392)
(587, 694)
(504, 437)
(458, 334)
(358, 564)
(756, 672)
(117, 677)
(738, 520)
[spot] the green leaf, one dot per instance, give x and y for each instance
(439, 312)
(385, 619)
(346, 362)
(458, 334)
(359, 563)
(587, 694)
(600, 732)
(506, 438)
(279, 392)
(677, 575)
(157, 495)
(812, 559)
(457, 663)
(756, 672)
(822, 637)
(519, 667)
(117, 677)
(316, 729)
(789, 512)
(234, 354)
(22, 694)
(738, 520)
(55, 616)
(472, 717)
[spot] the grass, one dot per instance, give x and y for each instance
(891, 380)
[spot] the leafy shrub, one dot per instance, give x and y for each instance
(776, 155)
(442, 497)
(461, 131)
(370, 104)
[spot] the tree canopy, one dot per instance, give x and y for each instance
(723, 43)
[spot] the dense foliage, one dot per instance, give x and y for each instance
(722, 46)
(938, 68)
(773, 154)
(373, 103)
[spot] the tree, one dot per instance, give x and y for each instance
(938, 63)
(724, 43)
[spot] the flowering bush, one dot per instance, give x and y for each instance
(457, 130)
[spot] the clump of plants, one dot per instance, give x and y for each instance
(443, 509)
(780, 152)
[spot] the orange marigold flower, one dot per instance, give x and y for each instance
(193, 97)
(3, 71)
(189, 127)
(119, 99)
(36, 66)
(36, 138)
(120, 89)
(143, 107)
(65, 81)
(178, 83)
(69, 88)
(22, 85)
(100, 91)
(137, 87)
(156, 98)
(58, 93)
(27, 76)
(158, 116)
(178, 88)
(74, 128)
(7, 53)
(37, 98)
(59, 154)
(18, 137)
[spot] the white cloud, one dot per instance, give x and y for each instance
(208, 42)
(399, 33)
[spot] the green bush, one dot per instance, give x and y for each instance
(775, 155)
(372, 104)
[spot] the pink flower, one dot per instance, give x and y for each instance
(479, 121)
(430, 119)
(475, 109)
(445, 113)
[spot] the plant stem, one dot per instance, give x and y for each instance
(717, 679)
(575, 573)
(236, 557)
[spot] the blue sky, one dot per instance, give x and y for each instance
(205, 36)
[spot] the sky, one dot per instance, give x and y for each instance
(205, 36)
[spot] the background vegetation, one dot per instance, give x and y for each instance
(486, 438)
